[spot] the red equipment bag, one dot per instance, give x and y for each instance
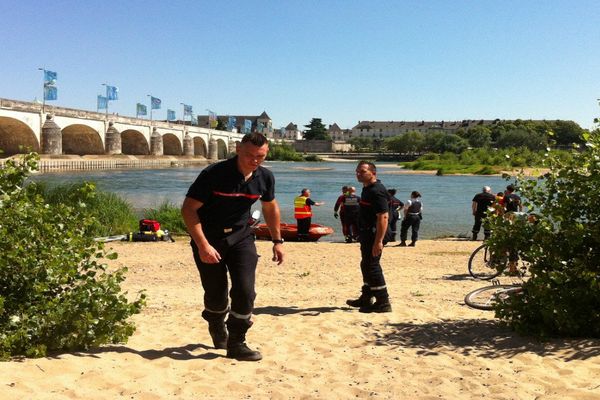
(149, 225)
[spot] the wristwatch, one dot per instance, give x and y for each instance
(277, 241)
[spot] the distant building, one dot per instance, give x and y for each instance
(291, 132)
(260, 123)
(384, 129)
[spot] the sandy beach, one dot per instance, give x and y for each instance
(431, 346)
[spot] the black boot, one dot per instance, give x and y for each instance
(380, 306)
(412, 244)
(216, 328)
(402, 243)
(363, 300)
(218, 333)
(237, 348)
(474, 236)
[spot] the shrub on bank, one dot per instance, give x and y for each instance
(283, 152)
(562, 245)
(55, 292)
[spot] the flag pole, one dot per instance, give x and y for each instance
(43, 89)
(106, 109)
(150, 108)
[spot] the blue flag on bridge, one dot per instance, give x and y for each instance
(171, 115)
(231, 123)
(112, 93)
(140, 109)
(155, 103)
(247, 126)
(50, 93)
(102, 103)
(187, 110)
(49, 78)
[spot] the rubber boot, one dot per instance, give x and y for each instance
(237, 348)
(363, 300)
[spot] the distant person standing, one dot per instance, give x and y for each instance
(351, 212)
(413, 214)
(479, 207)
(512, 202)
(338, 209)
(395, 207)
(303, 213)
(373, 224)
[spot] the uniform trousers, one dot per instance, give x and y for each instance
(410, 221)
(303, 225)
(370, 266)
(240, 260)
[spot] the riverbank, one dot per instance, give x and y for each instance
(55, 163)
(314, 346)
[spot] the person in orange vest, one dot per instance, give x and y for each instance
(303, 213)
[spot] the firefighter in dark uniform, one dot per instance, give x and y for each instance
(373, 225)
(216, 211)
(479, 206)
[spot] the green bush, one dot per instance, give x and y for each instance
(562, 297)
(55, 293)
(283, 152)
(111, 214)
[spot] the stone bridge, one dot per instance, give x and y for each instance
(57, 131)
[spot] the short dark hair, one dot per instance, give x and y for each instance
(255, 138)
(510, 188)
(392, 191)
(415, 194)
(371, 166)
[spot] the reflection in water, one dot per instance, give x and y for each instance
(446, 199)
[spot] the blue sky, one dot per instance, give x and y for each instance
(342, 61)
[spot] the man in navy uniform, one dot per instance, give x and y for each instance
(216, 211)
(373, 225)
(479, 206)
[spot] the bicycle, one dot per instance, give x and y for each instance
(486, 297)
(485, 265)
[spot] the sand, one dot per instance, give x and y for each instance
(431, 346)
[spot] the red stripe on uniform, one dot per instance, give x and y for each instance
(249, 196)
(364, 203)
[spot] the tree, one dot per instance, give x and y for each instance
(361, 143)
(479, 136)
(561, 245)
(522, 137)
(409, 142)
(316, 130)
(566, 132)
(55, 294)
(440, 142)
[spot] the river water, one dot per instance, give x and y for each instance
(446, 199)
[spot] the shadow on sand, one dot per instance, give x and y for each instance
(310, 311)
(483, 338)
(182, 353)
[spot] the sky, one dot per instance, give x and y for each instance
(343, 61)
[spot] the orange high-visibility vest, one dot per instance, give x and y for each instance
(301, 209)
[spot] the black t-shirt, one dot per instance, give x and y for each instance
(512, 202)
(373, 200)
(484, 201)
(226, 197)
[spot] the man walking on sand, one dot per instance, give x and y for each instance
(373, 225)
(216, 211)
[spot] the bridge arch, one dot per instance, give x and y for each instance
(200, 147)
(171, 145)
(134, 143)
(14, 133)
(81, 140)
(222, 150)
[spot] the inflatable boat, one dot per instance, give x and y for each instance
(289, 232)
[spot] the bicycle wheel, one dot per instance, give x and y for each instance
(484, 298)
(485, 265)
